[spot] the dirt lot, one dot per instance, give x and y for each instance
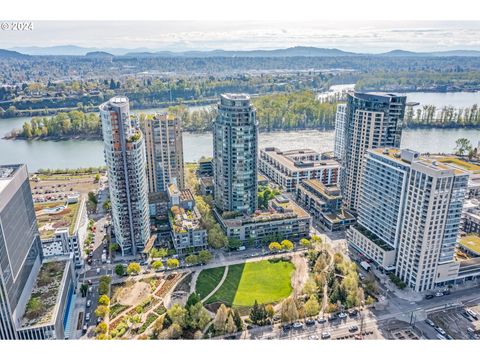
(131, 293)
(452, 322)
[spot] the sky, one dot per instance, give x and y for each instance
(356, 36)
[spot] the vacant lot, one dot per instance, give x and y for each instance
(265, 281)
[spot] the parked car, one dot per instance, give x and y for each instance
(470, 331)
(325, 335)
(342, 315)
(310, 322)
(287, 327)
(89, 303)
(84, 329)
(430, 322)
(322, 320)
(353, 313)
(353, 328)
(472, 313)
(438, 294)
(87, 317)
(297, 325)
(440, 331)
(446, 292)
(467, 316)
(313, 337)
(429, 296)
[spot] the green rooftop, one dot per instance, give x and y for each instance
(471, 243)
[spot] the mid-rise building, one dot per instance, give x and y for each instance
(164, 151)
(324, 204)
(289, 168)
(124, 149)
(235, 147)
(340, 120)
(371, 120)
(20, 247)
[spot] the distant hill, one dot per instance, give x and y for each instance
(99, 54)
(72, 50)
(11, 54)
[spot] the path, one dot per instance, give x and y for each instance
(225, 273)
(193, 283)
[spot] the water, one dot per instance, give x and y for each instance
(456, 99)
(85, 153)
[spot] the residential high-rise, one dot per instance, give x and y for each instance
(235, 147)
(20, 247)
(164, 150)
(124, 148)
(372, 120)
(409, 216)
(340, 116)
(431, 221)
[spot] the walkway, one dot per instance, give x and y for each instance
(225, 273)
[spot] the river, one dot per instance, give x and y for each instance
(84, 153)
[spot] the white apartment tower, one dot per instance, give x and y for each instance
(124, 149)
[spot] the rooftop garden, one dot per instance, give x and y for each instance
(182, 219)
(471, 243)
(52, 216)
(373, 238)
(460, 163)
(44, 295)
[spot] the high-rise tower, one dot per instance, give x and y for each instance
(235, 154)
(124, 148)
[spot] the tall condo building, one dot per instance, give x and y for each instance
(124, 148)
(164, 150)
(20, 247)
(409, 216)
(235, 146)
(339, 145)
(371, 120)
(431, 221)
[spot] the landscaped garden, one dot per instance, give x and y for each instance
(267, 281)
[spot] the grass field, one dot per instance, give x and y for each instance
(207, 280)
(264, 281)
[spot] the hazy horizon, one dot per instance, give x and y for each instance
(354, 36)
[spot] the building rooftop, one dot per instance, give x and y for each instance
(183, 220)
(54, 215)
(41, 306)
(299, 160)
(330, 192)
(471, 243)
(230, 96)
(338, 216)
(372, 237)
(456, 162)
(6, 174)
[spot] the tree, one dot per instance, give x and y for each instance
(310, 288)
(158, 253)
(173, 263)
(133, 268)
(92, 198)
(97, 178)
(238, 320)
(101, 311)
(230, 327)
(274, 246)
(193, 299)
(234, 243)
(312, 307)
(84, 289)
(216, 237)
(104, 300)
(286, 245)
(462, 146)
(192, 259)
(258, 314)
(178, 315)
(101, 328)
(119, 269)
(205, 256)
(289, 312)
(104, 285)
(270, 311)
(157, 265)
(107, 205)
(220, 319)
(198, 317)
(305, 243)
(114, 247)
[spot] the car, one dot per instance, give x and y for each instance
(322, 320)
(84, 329)
(99, 320)
(342, 315)
(440, 331)
(441, 337)
(310, 322)
(89, 303)
(467, 316)
(98, 271)
(353, 328)
(90, 289)
(353, 313)
(287, 327)
(89, 282)
(446, 292)
(429, 296)
(472, 313)
(332, 317)
(313, 337)
(87, 317)
(430, 322)
(470, 331)
(325, 335)
(438, 294)
(297, 325)
(449, 337)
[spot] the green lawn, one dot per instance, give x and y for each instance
(207, 280)
(263, 281)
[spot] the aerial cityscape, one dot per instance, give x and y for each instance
(297, 192)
